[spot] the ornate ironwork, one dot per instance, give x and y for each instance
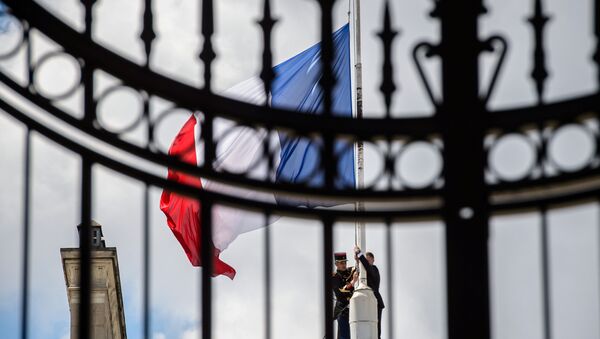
(539, 73)
(469, 185)
(387, 35)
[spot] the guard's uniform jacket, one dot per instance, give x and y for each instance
(343, 291)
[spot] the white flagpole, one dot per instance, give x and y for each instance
(361, 238)
(363, 305)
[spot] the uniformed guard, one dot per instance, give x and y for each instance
(344, 279)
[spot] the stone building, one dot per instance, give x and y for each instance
(108, 317)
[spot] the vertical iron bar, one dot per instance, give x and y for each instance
(267, 277)
(209, 143)
(206, 256)
(87, 73)
(150, 123)
(85, 232)
(148, 35)
(88, 79)
(544, 232)
(596, 56)
(88, 94)
(388, 87)
(85, 242)
(387, 35)
(26, 200)
(89, 15)
(29, 56)
(327, 283)
(390, 279)
(146, 286)
(327, 80)
(466, 206)
(86, 188)
(389, 164)
(327, 83)
(539, 74)
(207, 55)
(267, 74)
(267, 153)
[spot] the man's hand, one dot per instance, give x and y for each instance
(356, 252)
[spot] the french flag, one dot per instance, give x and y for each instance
(240, 150)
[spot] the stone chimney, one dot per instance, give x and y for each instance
(108, 317)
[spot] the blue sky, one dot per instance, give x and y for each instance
(419, 297)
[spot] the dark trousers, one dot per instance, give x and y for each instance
(379, 311)
(343, 326)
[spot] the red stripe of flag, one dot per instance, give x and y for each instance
(183, 213)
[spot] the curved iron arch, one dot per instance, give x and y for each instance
(532, 192)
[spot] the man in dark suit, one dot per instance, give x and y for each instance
(373, 280)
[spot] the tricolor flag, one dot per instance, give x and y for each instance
(295, 87)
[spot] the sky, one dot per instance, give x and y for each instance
(418, 248)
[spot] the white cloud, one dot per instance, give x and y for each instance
(419, 250)
(191, 334)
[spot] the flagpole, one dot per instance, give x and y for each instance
(360, 230)
(363, 305)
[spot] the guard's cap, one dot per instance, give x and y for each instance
(340, 256)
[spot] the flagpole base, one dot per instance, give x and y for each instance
(363, 314)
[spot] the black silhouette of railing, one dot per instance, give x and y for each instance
(466, 191)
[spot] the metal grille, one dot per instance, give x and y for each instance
(468, 189)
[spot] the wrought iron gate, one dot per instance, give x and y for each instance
(464, 195)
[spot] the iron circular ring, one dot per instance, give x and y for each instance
(20, 41)
(530, 143)
(432, 144)
(128, 127)
(67, 93)
(552, 138)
